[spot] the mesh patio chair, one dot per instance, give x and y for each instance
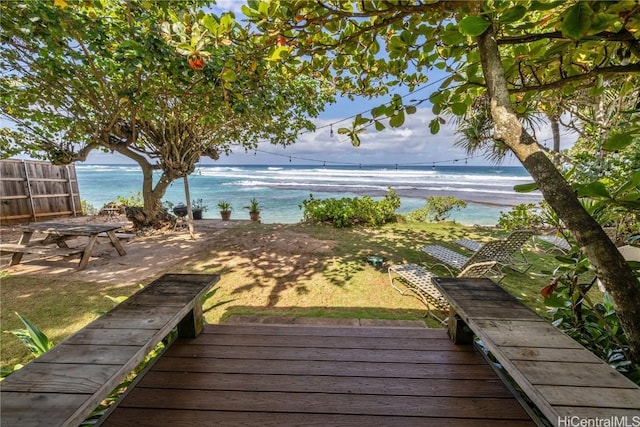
(557, 241)
(512, 255)
(454, 261)
(419, 282)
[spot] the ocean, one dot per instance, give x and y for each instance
(280, 189)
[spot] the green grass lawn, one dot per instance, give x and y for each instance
(266, 279)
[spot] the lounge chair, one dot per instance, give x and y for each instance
(557, 241)
(511, 255)
(418, 281)
(454, 261)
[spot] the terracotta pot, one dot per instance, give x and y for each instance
(255, 216)
(226, 215)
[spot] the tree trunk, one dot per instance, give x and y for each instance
(151, 196)
(555, 130)
(609, 264)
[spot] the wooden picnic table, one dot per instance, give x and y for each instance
(58, 234)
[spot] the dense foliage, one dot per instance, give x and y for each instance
(120, 77)
(350, 211)
(523, 216)
(437, 208)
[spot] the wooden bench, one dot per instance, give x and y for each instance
(63, 386)
(561, 377)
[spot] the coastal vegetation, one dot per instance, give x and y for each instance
(350, 211)
(511, 60)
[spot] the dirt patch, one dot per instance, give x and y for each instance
(281, 241)
(149, 254)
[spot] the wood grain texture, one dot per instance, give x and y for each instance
(127, 417)
(555, 372)
(82, 370)
(307, 378)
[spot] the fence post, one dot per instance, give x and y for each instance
(29, 193)
(73, 202)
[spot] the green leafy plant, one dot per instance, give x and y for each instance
(253, 206)
(521, 216)
(88, 208)
(225, 206)
(133, 199)
(36, 341)
(593, 324)
(437, 208)
(346, 212)
(199, 204)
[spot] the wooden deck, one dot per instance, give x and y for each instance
(282, 375)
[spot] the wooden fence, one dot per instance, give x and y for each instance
(37, 191)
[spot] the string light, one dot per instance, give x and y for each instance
(360, 165)
(331, 131)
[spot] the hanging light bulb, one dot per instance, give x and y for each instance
(331, 131)
(289, 159)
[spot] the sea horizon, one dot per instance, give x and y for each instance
(281, 188)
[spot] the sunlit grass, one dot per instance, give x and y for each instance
(276, 277)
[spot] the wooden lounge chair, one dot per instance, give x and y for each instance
(511, 255)
(419, 282)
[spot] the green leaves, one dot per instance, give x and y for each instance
(577, 20)
(434, 126)
(473, 25)
(619, 140)
(525, 188)
(512, 15)
(35, 340)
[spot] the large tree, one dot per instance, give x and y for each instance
(119, 76)
(517, 54)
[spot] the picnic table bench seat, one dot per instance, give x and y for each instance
(45, 251)
(64, 385)
(561, 377)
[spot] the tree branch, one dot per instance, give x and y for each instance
(622, 69)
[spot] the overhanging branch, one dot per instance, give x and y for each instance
(622, 69)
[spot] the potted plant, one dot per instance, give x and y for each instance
(225, 210)
(197, 207)
(254, 210)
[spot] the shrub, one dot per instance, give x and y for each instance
(522, 216)
(437, 208)
(131, 200)
(88, 208)
(347, 211)
(593, 324)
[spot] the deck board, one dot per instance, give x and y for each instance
(268, 375)
(560, 376)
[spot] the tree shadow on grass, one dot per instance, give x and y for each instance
(274, 265)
